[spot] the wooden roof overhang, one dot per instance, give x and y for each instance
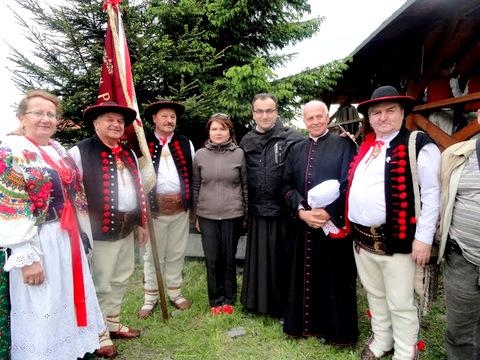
(411, 48)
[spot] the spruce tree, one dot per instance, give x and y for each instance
(213, 55)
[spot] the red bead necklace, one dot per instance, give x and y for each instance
(65, 172)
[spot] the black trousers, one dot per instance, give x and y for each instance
(219, 241)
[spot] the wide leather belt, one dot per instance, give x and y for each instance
(127, 222)
(371, 238)
(169, 204)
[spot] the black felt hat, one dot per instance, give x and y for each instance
(153, 108)
(387, 94)
(92, 112)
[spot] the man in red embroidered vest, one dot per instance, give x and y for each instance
(109, 169)
(390, 239)
(170, 201)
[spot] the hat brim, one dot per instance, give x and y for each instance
(407, 103)
(152, 109)
(94, 112)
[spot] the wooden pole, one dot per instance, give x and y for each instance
(156, 262)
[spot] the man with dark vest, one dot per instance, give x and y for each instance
(109, 169)
(386, 179)
(170, 201)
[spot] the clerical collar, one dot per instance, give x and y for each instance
(318, 137)
(264, 131)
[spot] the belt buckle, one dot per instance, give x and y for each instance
(377, 245)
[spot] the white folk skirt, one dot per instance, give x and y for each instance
(43, 320)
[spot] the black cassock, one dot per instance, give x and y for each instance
(321, 295)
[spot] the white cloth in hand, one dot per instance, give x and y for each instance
(322, 195)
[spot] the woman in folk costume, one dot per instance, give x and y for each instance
(54, 310)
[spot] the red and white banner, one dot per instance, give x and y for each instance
(116, 84)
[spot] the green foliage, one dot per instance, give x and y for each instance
(213, 55)
(240, 84)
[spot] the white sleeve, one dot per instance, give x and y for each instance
(75, 154)
(192, 149)
(428, 165)
(18, 228)
(23, 254)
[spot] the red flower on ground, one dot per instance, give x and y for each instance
(421, 345)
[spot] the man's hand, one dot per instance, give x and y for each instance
(142, 236)
(346, 133)
(314, 218)
(421, 252)
(33, 274)
(197, 225)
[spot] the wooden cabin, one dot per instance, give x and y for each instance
(419, 50)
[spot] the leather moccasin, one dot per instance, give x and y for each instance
(147, 310)
(125, 332)
(181, 303)
(108, 351)
(367, 354)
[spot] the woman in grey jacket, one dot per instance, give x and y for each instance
(220, 204)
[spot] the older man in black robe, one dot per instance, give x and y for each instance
(321, 284)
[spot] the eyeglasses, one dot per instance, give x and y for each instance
(40, 114)
(268, 111)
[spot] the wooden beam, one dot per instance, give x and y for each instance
(447, 103)
(473, 128)
(415, 121)
(443, 140)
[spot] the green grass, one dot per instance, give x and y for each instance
(195, 334)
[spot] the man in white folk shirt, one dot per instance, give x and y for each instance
(170, 201)
(116, 206)
(390, 240)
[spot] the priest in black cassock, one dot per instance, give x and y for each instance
(265, 148)
(321, 296)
